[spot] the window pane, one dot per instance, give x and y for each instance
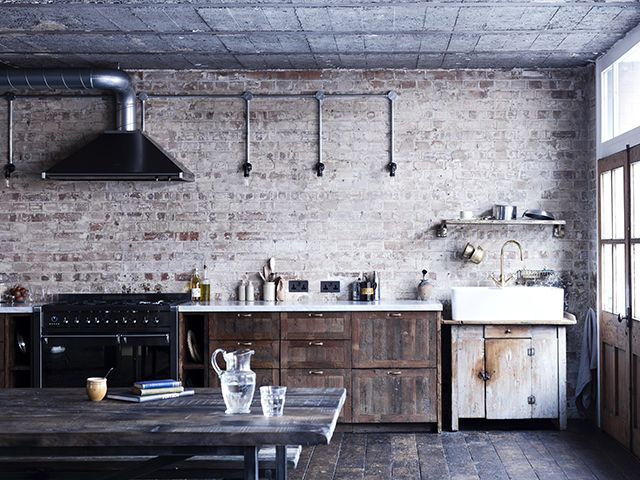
(618, 202)
(635, 200)
(606, 92)
(620, 96)
(607, 278)
(635, 279)
(628, 94)
(605, 204)
(619, 280)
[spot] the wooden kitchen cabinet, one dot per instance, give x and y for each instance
(392, 358)
(391, 396)
(316, 325)
(316, 354)
(321, 378)
(245, 325)
(508, 371)
(394, 339)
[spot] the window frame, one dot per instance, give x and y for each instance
(631, 137)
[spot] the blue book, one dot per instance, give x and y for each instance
(157, 384)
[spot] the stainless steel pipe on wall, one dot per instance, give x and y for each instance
(116, 81)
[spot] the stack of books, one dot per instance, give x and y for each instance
(152, 390)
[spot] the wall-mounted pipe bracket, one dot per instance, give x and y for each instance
(143, 97)
(392, 166)
(9, 167)
(319, 96)
(246, 166)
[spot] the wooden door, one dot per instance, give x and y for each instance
(394, 339)
(615, 293)
(468, 368)
(403, 395)
(544, 372)
(634, 317)
(508, 388)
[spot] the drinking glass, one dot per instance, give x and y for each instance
(272, 400)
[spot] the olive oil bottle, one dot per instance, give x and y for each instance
(196, 291)
(205, 287)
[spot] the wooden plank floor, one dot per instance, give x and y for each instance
(575, 454)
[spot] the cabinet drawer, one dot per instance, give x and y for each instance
(264, 376)
(318, 378)
(316, 354)
(267, 352)
(246, 325)
(394, 339)
(316, 325)
(383, 395)
(507, 331)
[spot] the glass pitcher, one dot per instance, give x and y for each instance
(238, 382)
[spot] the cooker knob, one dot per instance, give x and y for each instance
(76, 321)
(54, 319)
(65, 321)
(156, 321)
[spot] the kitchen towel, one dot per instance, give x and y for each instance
(585, 392)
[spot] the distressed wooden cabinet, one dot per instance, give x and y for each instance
(504, 371)
(396, 374)
(389, 362)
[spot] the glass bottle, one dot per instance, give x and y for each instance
(205, 288)
(195, 286)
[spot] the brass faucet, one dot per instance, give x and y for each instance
(502, 282)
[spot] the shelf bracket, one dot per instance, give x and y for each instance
(558, 231)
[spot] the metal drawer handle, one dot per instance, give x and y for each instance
(396, 373)
(316, 344)
(395, 314)
(319, 315)
(245, 344)
(507, 330)
(245, 315)
(316, 372)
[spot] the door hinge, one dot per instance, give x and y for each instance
(531, 351)
(531, 400)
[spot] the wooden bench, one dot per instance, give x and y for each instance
(203, 467)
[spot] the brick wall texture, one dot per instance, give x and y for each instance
(464, 140)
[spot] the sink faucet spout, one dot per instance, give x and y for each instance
(502, 281)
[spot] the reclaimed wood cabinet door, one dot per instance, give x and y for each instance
(246, 325)
(468, 370)
(394, 339)
(402, 395)
(544, 373)
(508, 387)
(316, 325)
(316, 354)
(321, 378)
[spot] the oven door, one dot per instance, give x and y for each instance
(68, 360)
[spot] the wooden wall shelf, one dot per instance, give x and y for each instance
(558, 225)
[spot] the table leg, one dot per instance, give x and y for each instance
(281, 462)
(251, 463)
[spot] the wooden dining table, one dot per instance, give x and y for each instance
(62, 422)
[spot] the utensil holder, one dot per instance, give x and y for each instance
(269, 291)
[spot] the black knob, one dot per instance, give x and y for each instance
(54, 318)
(156, 321)
(65, 321)
(145, 321)
(88, 322)
(124, 321)
(76, 321)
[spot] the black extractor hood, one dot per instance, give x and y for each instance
(120, 155)
(123, 154)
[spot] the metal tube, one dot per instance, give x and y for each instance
(10, 99)
(392, 164)
(79, 79)
(143, 97)
(247, 167)
(320, 165)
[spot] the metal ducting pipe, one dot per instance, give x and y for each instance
(116, 81)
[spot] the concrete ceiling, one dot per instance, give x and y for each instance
(310, 34)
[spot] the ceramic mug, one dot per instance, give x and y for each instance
(478, 255)
(466, 214)
(468, 250)
(96, 388)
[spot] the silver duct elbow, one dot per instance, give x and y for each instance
(116, 81)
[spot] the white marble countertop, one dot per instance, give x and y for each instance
(16, 308)
(334, 306)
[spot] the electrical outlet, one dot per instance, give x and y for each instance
(298, 286)
(329, 287)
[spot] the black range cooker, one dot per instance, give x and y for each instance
(85, 335)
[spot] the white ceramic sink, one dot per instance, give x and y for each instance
(507, 304)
